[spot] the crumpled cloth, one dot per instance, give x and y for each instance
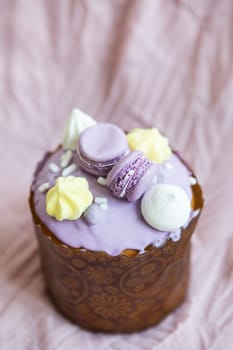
(167, 64)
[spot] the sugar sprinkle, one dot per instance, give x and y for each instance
(66, 158)
(69, 170)
(43, 187)
(101, 200)
(155, 179)
(192, 180)
(102, 181)
(104, 206)
(168, 166)
(53, 167)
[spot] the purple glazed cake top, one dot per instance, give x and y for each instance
(121, 226)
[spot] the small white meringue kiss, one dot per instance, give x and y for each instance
(166, 207)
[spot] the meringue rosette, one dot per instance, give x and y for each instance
(69, 198)
(151, 143)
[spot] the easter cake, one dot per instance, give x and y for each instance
(114, 213)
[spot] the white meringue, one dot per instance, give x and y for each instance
(166, 207)
(77, 123)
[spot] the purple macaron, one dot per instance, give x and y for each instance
(132, 176)
(100, 147)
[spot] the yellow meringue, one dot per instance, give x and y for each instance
(151, 142)
(68, 198)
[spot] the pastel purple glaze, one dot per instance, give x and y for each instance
(131, 176)
(121, 226)
(100, 147)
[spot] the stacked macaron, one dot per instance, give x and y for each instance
(131, 176)
(103, 151)
(100, 147)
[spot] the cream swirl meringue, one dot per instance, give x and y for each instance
(151, 143)
(68, 198)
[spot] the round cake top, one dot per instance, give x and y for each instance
(102, 142)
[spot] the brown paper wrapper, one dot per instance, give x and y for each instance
(124, 293)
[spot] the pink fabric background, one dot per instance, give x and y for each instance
(135, 63)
